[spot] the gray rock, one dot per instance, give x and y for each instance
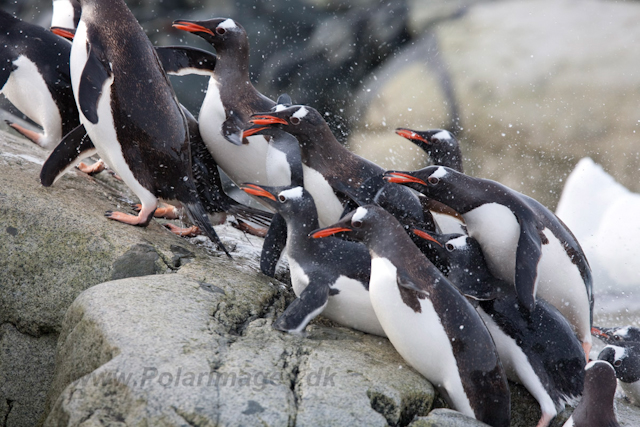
(446, 418)
(164, 350)
(26, 371)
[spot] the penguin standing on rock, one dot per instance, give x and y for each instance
(523, 242)
(329, 276)
(538, 349)
(131, 113)
(428, 321)
(34, 76)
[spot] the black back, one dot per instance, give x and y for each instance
(596, 407)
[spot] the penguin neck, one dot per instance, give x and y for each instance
(392, 242)
(299, 226)
(232, 64)
(449, 156)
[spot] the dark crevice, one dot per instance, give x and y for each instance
(6, 417)
(42, 330)
(411, 405)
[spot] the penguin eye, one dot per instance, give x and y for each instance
(294, 120)
(220, 31)
(356, 224)
(282, 198)
(617, 337)
(449, 247)
(433, 180)
(617, 363)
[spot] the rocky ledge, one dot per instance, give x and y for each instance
(104, 324)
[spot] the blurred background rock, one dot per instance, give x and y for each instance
(529, 87)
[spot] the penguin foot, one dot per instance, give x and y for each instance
(545, 420)
(140, 220)
(114, 174)
(95, 168)
(33, 136)
(184, 232)
(256, 231)
(166, 211)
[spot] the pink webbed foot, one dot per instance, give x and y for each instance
(256, 231)
(184, 232)
(93, 169)
(33, 136)
(165, 211)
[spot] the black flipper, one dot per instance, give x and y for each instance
(232, 128)
(75, 146)
(198, 215)
(95, 72)
(180, 60)
(303, 309)
(527, 257)
(274, 243)
(406, 282)
(5, 71)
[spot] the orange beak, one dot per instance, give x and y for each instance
(598, 333)
(409, 134)
(425, 235)
(326, 232)
(252, 131)
(402, 178)
(191, 27)
(254, 190)
(267, 120)
(66, 34)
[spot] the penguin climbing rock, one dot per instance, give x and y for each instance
(625, 359)
(429, 322)
(130, 112)
(34, 77)
(523, 242)
(539, 349)
(596, 409)
(329, 276)
(441, 146)
(332, 171)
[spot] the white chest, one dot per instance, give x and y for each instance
(497, 230)
(327, 204)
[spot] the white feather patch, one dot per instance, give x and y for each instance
(360, 214)
(292, 193)
(280, 107)
(301, 113)
(458, 242)
(439, 173)
(444, 135)
(228, 24)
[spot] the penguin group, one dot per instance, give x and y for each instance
(472, 282)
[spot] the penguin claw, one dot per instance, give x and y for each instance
(256, 231)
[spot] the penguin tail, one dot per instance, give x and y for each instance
(248, 214)
(198, 215)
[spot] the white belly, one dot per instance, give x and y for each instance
(516, 365)
(27, 90)
(560, 283)
(632, 390)
(327, 204)
(497, 230)
(242, 163)
(352, 307)
(103, 133)
(278, 170)
(299, 280)
(418, 337)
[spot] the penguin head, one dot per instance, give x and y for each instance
(625, 360)
(220, 32)
(294, 119)
(616, 335)
(599, 379)
(289, 201)
(430, 180)
(432, 141)
(358, 225)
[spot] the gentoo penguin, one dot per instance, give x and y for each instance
(131, 113)
(539, 349)
(625, 359)
(429, 322)
(616, 335)
(35, 78)
(441, 146)
(596, 409)
(329, 276)
(523, 242)
(331, 170)
(230, 100)
(66, 15)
